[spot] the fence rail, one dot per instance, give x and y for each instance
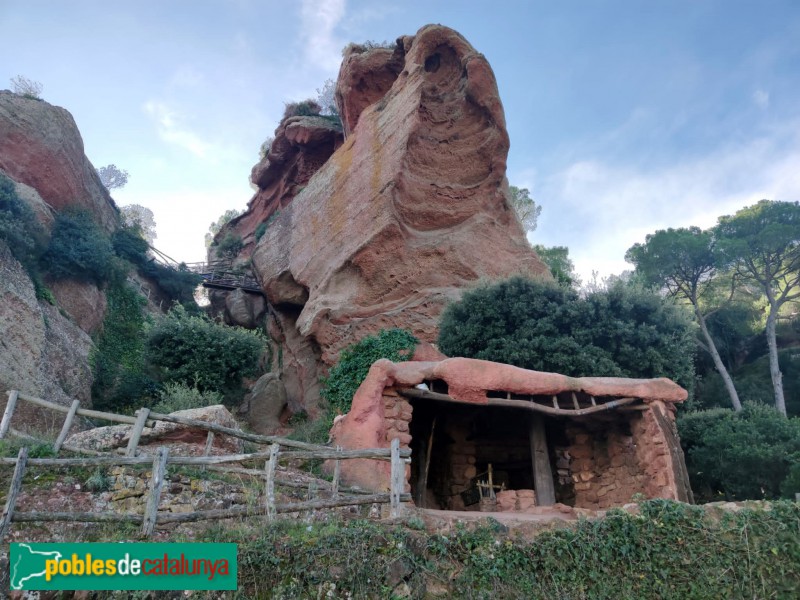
(162, 460)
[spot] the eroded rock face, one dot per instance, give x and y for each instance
(43, 353)
(301, 145)
(408, 213)
(41, 147)
(84, 302)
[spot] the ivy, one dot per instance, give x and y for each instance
(354, 362)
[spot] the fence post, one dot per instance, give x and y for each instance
(67, 424)
(6, 422)
(156, 485)
(271, 465)
(397, 479)
(136, 432)
(13, 491)
(337, 471)
(209, 443)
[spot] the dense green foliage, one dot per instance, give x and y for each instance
(198, 352)
(80, 249)
(354, 362)
(18, 226)
(744, 455)
(179, 396)
(619, 331)
(217, 225)
(118, 359)
(669, 551)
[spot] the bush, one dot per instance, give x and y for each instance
(79, 249)
(305, 108)
(745, 455)
(354, 362)
(198, 352)
(534, 324)
(19, 227)
(179, 396)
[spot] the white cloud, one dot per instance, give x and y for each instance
(320, 19)
(599, 209)
(172, 131)
(761, 98)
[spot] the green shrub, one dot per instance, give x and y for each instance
(129, 244)
(98, 481)
(670, 551)
(198, 352)
(745, 455)
(19, 228)
(354, 362)
(179, 396)
(535, 324)
(79, 249)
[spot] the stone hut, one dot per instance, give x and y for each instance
(590, 442)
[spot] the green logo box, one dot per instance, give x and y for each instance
(126, 566)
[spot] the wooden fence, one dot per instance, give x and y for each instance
(151, 517)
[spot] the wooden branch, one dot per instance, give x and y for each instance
(249, 511)
(526, 404)
(13, 492)
(209, 443)
(9, 412)
(333, 454)
(156, 485)
(75, 517)
(67, 424)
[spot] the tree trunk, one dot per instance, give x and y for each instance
(720, 366)
(774, 367)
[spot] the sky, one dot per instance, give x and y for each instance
(624, 116)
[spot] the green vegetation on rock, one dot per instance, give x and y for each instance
(80, 249)
(354, 362)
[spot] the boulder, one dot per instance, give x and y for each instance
(265, 403)
(41, 147)
(183, 440)
(244, 309)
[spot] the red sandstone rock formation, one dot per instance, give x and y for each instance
(609, 459)
(404, 216)
(40, 146)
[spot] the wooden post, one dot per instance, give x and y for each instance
(67, 424)
(13, 492)
(156, 485)
(136, 432)
(397, 477)
(423, 480)
(542, 473)
(575, 401)
(6, 422)
(209, 443)
(270, 467)
(337, 473)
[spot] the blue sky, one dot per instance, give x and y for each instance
(624, 116)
